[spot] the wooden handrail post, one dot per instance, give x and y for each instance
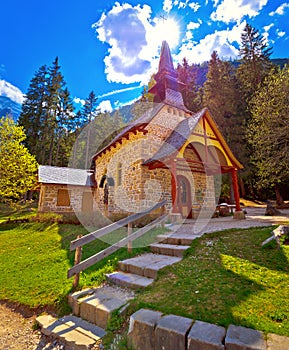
(77, 259)
(163, 210)
(129, 232)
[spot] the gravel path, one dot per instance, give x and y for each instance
(16, 331)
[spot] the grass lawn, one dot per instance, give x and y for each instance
(35, 258)
(227, 278)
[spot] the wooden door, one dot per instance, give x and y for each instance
(87, 202)
(184, 196)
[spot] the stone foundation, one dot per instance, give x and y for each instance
(150, 330)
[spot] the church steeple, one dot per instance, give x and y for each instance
(166, 67)
(167, 88)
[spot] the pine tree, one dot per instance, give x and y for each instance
(220, 95)
(187, 75)
(47, 114)
(89, 112)
(255, 63)
(34, 110)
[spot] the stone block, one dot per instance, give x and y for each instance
(141, 333)
(88, 309)
(277, 342)
(206, 336)
(239, 215)
(171, 332)
(175, 218)
(241, 338)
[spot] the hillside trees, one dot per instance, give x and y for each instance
(254, 65)
(47, 116)
(220, 96)
(95, 130)
(187, 75)
(18, 167)
(269, 131)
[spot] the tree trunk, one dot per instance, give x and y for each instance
(279, 198)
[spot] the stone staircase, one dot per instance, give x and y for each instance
(95, 306)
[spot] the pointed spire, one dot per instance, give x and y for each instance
(167, 88)
(166, 66)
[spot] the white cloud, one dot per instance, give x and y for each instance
(79, 101)
(194, 6)
(280, 10)
(11, 91)
(167, 5)
(268, 27)
(193, 25)
(125, 29)
(280, 33)
(134, 38)
(225, 42)
(105, 106)
(114, 92)
(233, 11)
(266, 33)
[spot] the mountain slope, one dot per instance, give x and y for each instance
(9, 107)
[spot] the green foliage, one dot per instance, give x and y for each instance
(255, 64)
(187, 75)
(220, 96)
(269, 129)
(18, 167)
(47, 116)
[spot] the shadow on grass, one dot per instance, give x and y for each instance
(227, 278)
(95, 274)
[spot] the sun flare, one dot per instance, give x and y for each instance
(167, 29)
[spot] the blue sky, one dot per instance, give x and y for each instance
(112, 47)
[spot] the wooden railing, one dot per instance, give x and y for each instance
(78, 243)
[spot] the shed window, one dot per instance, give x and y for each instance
(63, 198)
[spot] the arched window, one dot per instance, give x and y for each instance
(118, 174)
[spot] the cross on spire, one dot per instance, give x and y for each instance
(163, 18)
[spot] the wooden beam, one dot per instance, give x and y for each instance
(106, 252)
(236, 189)
(114, 226)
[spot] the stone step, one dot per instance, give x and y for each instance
(97, 305)
(169, 249)
(76, 333)
(129, 280)
(177, 238)
(147, 265)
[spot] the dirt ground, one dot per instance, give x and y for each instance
(16, 331)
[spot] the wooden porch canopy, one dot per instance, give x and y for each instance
(200, 134)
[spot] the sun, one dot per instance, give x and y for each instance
(167, 29)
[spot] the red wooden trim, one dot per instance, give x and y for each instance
(174, 185)
(236, 189)
(205, 137)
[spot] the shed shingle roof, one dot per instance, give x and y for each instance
(64, 176)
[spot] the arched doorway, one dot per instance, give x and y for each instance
(184, 198)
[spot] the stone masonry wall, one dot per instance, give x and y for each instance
(137, 188)
(49, 194)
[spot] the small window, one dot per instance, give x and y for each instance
(118, 174)
(63, 198)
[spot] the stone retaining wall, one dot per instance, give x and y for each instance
(150, 330)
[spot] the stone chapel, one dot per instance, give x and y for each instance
(168, 153)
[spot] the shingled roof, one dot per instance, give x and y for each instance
(177, 138)
(64, 176)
